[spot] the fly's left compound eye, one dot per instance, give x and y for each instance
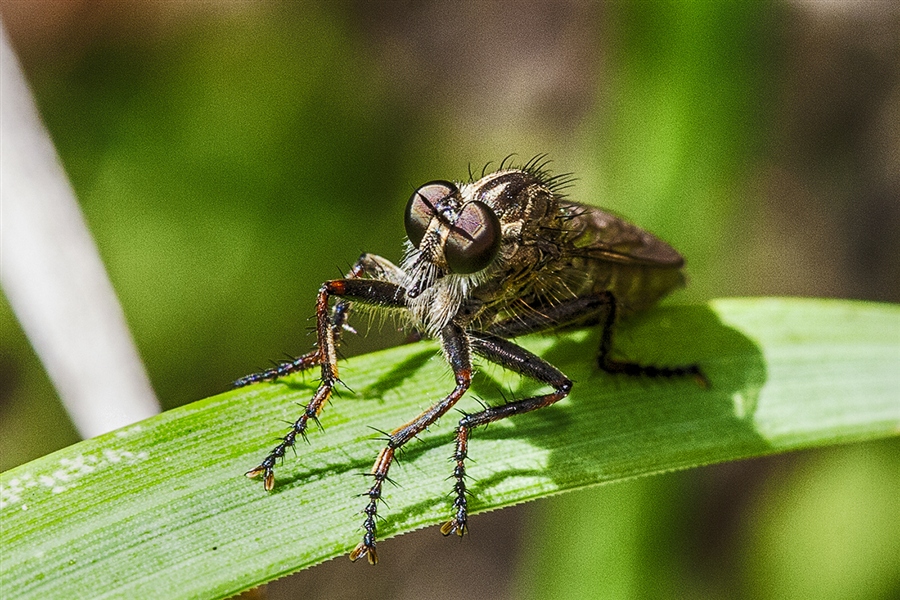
(474, 239)
(422, 206)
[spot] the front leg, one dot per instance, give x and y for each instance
(378, 293)
(367, 265)
(455, 343)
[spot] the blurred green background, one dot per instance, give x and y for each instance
(230, 157)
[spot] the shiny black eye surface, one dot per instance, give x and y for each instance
(422, 206)
(474, 239)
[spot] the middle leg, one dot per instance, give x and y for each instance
(456, 348)
(515, 358)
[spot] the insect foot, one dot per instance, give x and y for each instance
(457, 524)
(379, 473)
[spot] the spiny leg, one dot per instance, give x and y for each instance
(286, 367)
(515, 358)
(367, 264)
(634, 369)
(455, 343)
(601, 308)
(491, 346)
(379, 293)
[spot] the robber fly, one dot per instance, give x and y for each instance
(487, 261)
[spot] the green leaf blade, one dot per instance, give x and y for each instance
(161, 509)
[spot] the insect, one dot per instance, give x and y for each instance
(486, 261)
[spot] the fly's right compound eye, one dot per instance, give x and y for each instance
(423, 205)
(474, 240)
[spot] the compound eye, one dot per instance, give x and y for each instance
(423, 205)
(474, 239)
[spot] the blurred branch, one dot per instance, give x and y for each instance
(53, 277)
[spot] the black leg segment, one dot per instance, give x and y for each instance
(328, 327)
(515, 358)
(455, 343)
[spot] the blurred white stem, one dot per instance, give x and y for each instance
(53, 277)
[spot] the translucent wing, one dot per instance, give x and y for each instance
(600, 235)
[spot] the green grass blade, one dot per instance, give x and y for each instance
(161, 509)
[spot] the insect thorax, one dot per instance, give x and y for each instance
(528, 264)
